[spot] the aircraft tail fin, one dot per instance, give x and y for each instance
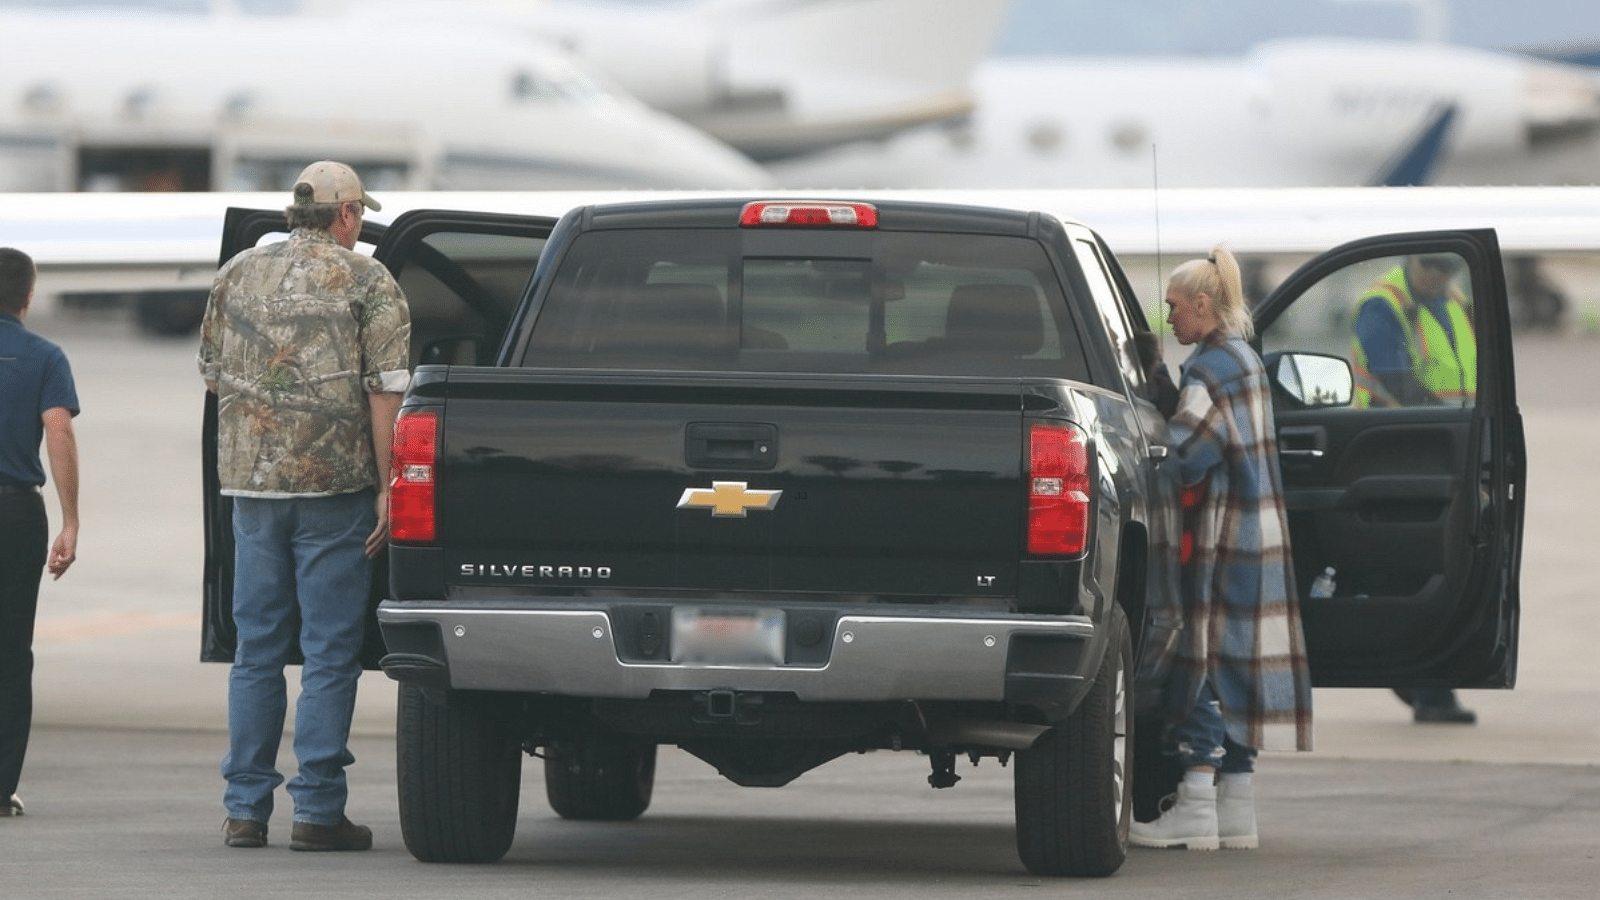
(1413, 165)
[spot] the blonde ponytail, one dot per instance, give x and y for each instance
(1218, 277)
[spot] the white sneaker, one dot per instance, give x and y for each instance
(11, 807)
(1190, 822)
(1236, 816)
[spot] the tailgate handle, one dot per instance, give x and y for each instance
(731, 445)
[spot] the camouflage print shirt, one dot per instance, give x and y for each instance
(295, 335)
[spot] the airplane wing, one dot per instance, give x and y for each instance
(129, 229)
(122, 242)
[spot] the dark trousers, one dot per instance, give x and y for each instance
(24, 542)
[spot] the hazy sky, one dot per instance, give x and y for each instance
(1214, 27)
(1229, 27)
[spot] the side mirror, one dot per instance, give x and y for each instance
(1311, 380)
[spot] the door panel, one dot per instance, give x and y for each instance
(463, 275)
(1385, 508)
(1414, 497)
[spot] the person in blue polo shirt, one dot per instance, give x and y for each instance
(37, 403)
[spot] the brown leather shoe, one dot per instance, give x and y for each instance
(346, 835)
(244, 833)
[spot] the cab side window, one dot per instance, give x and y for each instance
(1404, 324)
(1114, 315)
(462, 288)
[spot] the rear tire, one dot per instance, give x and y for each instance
(459, 772)
(1072, 788)
(600, 778)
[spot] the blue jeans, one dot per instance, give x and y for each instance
(299, 566)
(1203, 739)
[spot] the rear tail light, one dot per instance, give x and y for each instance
(1058, 490)
(809, 213)
(413, 464)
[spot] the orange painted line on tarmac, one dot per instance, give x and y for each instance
(106, 624)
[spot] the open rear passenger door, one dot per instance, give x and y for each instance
(463, 275)
(1417, 508)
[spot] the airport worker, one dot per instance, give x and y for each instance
(1414, 346)
(1239, 683)
(37, 402)
(306, 344)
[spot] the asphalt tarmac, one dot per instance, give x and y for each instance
(124, 796)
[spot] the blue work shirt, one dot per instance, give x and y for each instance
(34, 377)
(1384, 336)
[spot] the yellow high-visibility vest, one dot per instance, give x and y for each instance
(1449, 371)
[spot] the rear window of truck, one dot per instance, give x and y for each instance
(897, 302)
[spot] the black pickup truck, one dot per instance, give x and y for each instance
(776, 482)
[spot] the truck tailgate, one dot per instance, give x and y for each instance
(907, 486)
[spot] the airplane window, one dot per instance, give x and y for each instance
(1130, 137)
(1046, 138)
(529, 86)
(43, 99)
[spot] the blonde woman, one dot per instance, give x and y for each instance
(1240, 682)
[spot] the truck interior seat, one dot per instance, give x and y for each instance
(994, 319)
(672, 318)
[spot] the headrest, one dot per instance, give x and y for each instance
(995, 318)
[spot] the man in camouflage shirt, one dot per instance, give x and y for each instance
(306, 344)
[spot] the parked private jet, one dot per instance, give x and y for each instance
(475, 94)
(1299, 113)
(140, 100)
(773, 78)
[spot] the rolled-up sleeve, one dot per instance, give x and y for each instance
(386, 339)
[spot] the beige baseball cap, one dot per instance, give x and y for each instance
(333, 182)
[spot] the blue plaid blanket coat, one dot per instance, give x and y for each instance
(1241, 612)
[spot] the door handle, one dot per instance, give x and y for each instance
(1302, 443)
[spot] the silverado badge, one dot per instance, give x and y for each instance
(728, 498)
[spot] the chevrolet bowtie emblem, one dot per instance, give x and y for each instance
(728, 498)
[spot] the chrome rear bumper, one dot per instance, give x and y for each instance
(872, 656)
